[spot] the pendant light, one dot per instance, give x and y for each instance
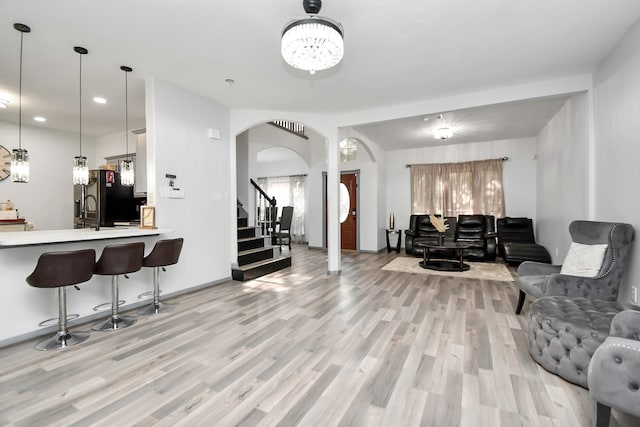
(313, 43)
(20, 171)
(127, 177)
(80, 169)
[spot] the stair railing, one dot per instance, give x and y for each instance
(266, 219)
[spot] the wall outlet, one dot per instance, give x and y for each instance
(634, 294)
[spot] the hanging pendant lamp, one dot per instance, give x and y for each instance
(127, 175)
(314, 43)
(20, 170)
(80, 169)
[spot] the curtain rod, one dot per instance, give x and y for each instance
(504, 159)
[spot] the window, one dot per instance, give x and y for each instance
(452, 189)
(288, 191)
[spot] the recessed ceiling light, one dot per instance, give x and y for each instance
(39, 119)
(99, 100)
(3, 103)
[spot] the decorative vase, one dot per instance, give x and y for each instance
(392, 221)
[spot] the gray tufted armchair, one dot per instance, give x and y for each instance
(538, 279)
(614, 370)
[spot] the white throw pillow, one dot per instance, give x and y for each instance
(584, 260)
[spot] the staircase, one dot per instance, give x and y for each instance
(254, 259)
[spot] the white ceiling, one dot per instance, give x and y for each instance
(395, 52)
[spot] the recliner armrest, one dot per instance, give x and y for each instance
(409, 233)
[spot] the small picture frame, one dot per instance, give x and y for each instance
(147, 217)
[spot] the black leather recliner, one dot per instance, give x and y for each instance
(421, 230)
(516, 242)
(479, 230)
(476, 229)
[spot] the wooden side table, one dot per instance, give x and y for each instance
(399, 233)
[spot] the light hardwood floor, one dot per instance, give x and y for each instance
(300, 347)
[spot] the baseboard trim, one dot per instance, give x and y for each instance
(50, 330)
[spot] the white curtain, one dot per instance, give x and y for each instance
(288, 191)
(452, 189)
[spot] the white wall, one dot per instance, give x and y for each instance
(177, 143)
(112, 144)
(47, 199)
(518, 173)
(562, 176)
(242, 168)
(617, 150)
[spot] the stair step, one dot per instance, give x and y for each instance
(260, 268)
(254, 255)
(242, 222)
(247, 243)
(244, 232)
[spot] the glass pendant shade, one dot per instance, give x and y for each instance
(20, 165)
(127, 176)
(80, 170)
(312, 44)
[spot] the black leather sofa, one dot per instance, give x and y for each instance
(516, 242)
(478, 230)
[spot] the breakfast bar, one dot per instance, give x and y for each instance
(23, 308)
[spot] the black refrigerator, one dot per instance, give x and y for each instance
(104, 202)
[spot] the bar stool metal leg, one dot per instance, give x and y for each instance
(157, 307)
(115, 322)
(63, 337)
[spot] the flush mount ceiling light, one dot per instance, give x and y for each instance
(442, 132)
(20, 170)
(80, 168)
(99, 100)
(313, 43)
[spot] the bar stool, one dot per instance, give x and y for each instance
(59, 270)
(115, 260)
(165, 252)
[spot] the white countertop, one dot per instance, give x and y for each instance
(39, 237)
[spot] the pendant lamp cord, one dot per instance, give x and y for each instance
(126, 112)
(20, 97)
(80, 105)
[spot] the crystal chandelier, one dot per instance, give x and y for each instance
(127, 177)
(313, 43)
(20, 171)
(80, 169)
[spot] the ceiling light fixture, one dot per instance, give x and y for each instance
(99, 100)
(20, 170)
(313, 43)
(127, 177)
(40, 119)
(442, 132)
(4, 103)
(80, 168)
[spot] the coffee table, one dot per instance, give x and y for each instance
(444, 264)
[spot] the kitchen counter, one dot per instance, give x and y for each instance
(40, 237)
(23, 308)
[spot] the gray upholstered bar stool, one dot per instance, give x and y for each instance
(59, 270)
(164, 253)
(114, 261)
